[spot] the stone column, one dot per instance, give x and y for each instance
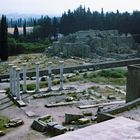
(49, 76)
(14, 81)
(37, 77)
(11, 77)
(61, 75)
(24, 77)
(18, 84)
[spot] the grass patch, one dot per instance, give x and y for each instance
(32, 86)
(73, 94)
(3, 120)
(110, 76)
(113, 73)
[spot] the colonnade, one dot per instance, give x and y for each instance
(14, 72)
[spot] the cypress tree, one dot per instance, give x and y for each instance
(3, 39)
(16, 32)
(24, 29)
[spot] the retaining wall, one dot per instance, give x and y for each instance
(94, 67)
(109, 114)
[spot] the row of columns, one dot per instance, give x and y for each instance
(15, 78)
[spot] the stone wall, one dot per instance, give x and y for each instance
(71, 49)
(94, 67)
(111, 113)
(91, 42)
(133, 83)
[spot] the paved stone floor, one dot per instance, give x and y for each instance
(119, 128)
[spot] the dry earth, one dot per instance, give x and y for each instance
(37, 106)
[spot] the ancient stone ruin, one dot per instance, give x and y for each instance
(133, 83)
(93, 43)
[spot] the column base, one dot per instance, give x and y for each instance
(61, 89)
(49, 89)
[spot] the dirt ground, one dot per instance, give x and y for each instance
(37, 106)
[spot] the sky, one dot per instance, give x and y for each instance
(57, 7)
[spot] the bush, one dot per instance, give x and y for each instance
(31, 87)
(112, 73)
(3, 120)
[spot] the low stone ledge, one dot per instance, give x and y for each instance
(20, 103)
(46, 95)
(60, 104)
(110, 113)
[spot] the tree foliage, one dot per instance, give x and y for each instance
(3, 39)
(16, 32)
(24, 29)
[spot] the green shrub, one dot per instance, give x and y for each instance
(31, 87)
(56, 82)
(72, 94)
(85, 75)
(3, 120)
(113, 73)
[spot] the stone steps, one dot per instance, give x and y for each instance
(6, 105)
(4, 100)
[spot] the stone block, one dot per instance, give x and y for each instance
(94, 118)
(51, 125)
(111, 97)
(46, 118)
(39, 126)
(59, 129)
(31, 114)
(14, 123)
(20, 103)
(2, 133)
(87, 113)
(2, 91)
(83, 121)
(72, 117)
(69, 99)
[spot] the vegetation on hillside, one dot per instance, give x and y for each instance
(70, 22)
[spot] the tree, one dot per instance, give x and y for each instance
(3, 39)
(55, 25)
(16, 32)
(24, 29)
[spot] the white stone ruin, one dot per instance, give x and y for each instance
(15, 79)
(11, 76)
(61, 75)
(24, 77)
(49, 76)
(37, 77)
(18, 84)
